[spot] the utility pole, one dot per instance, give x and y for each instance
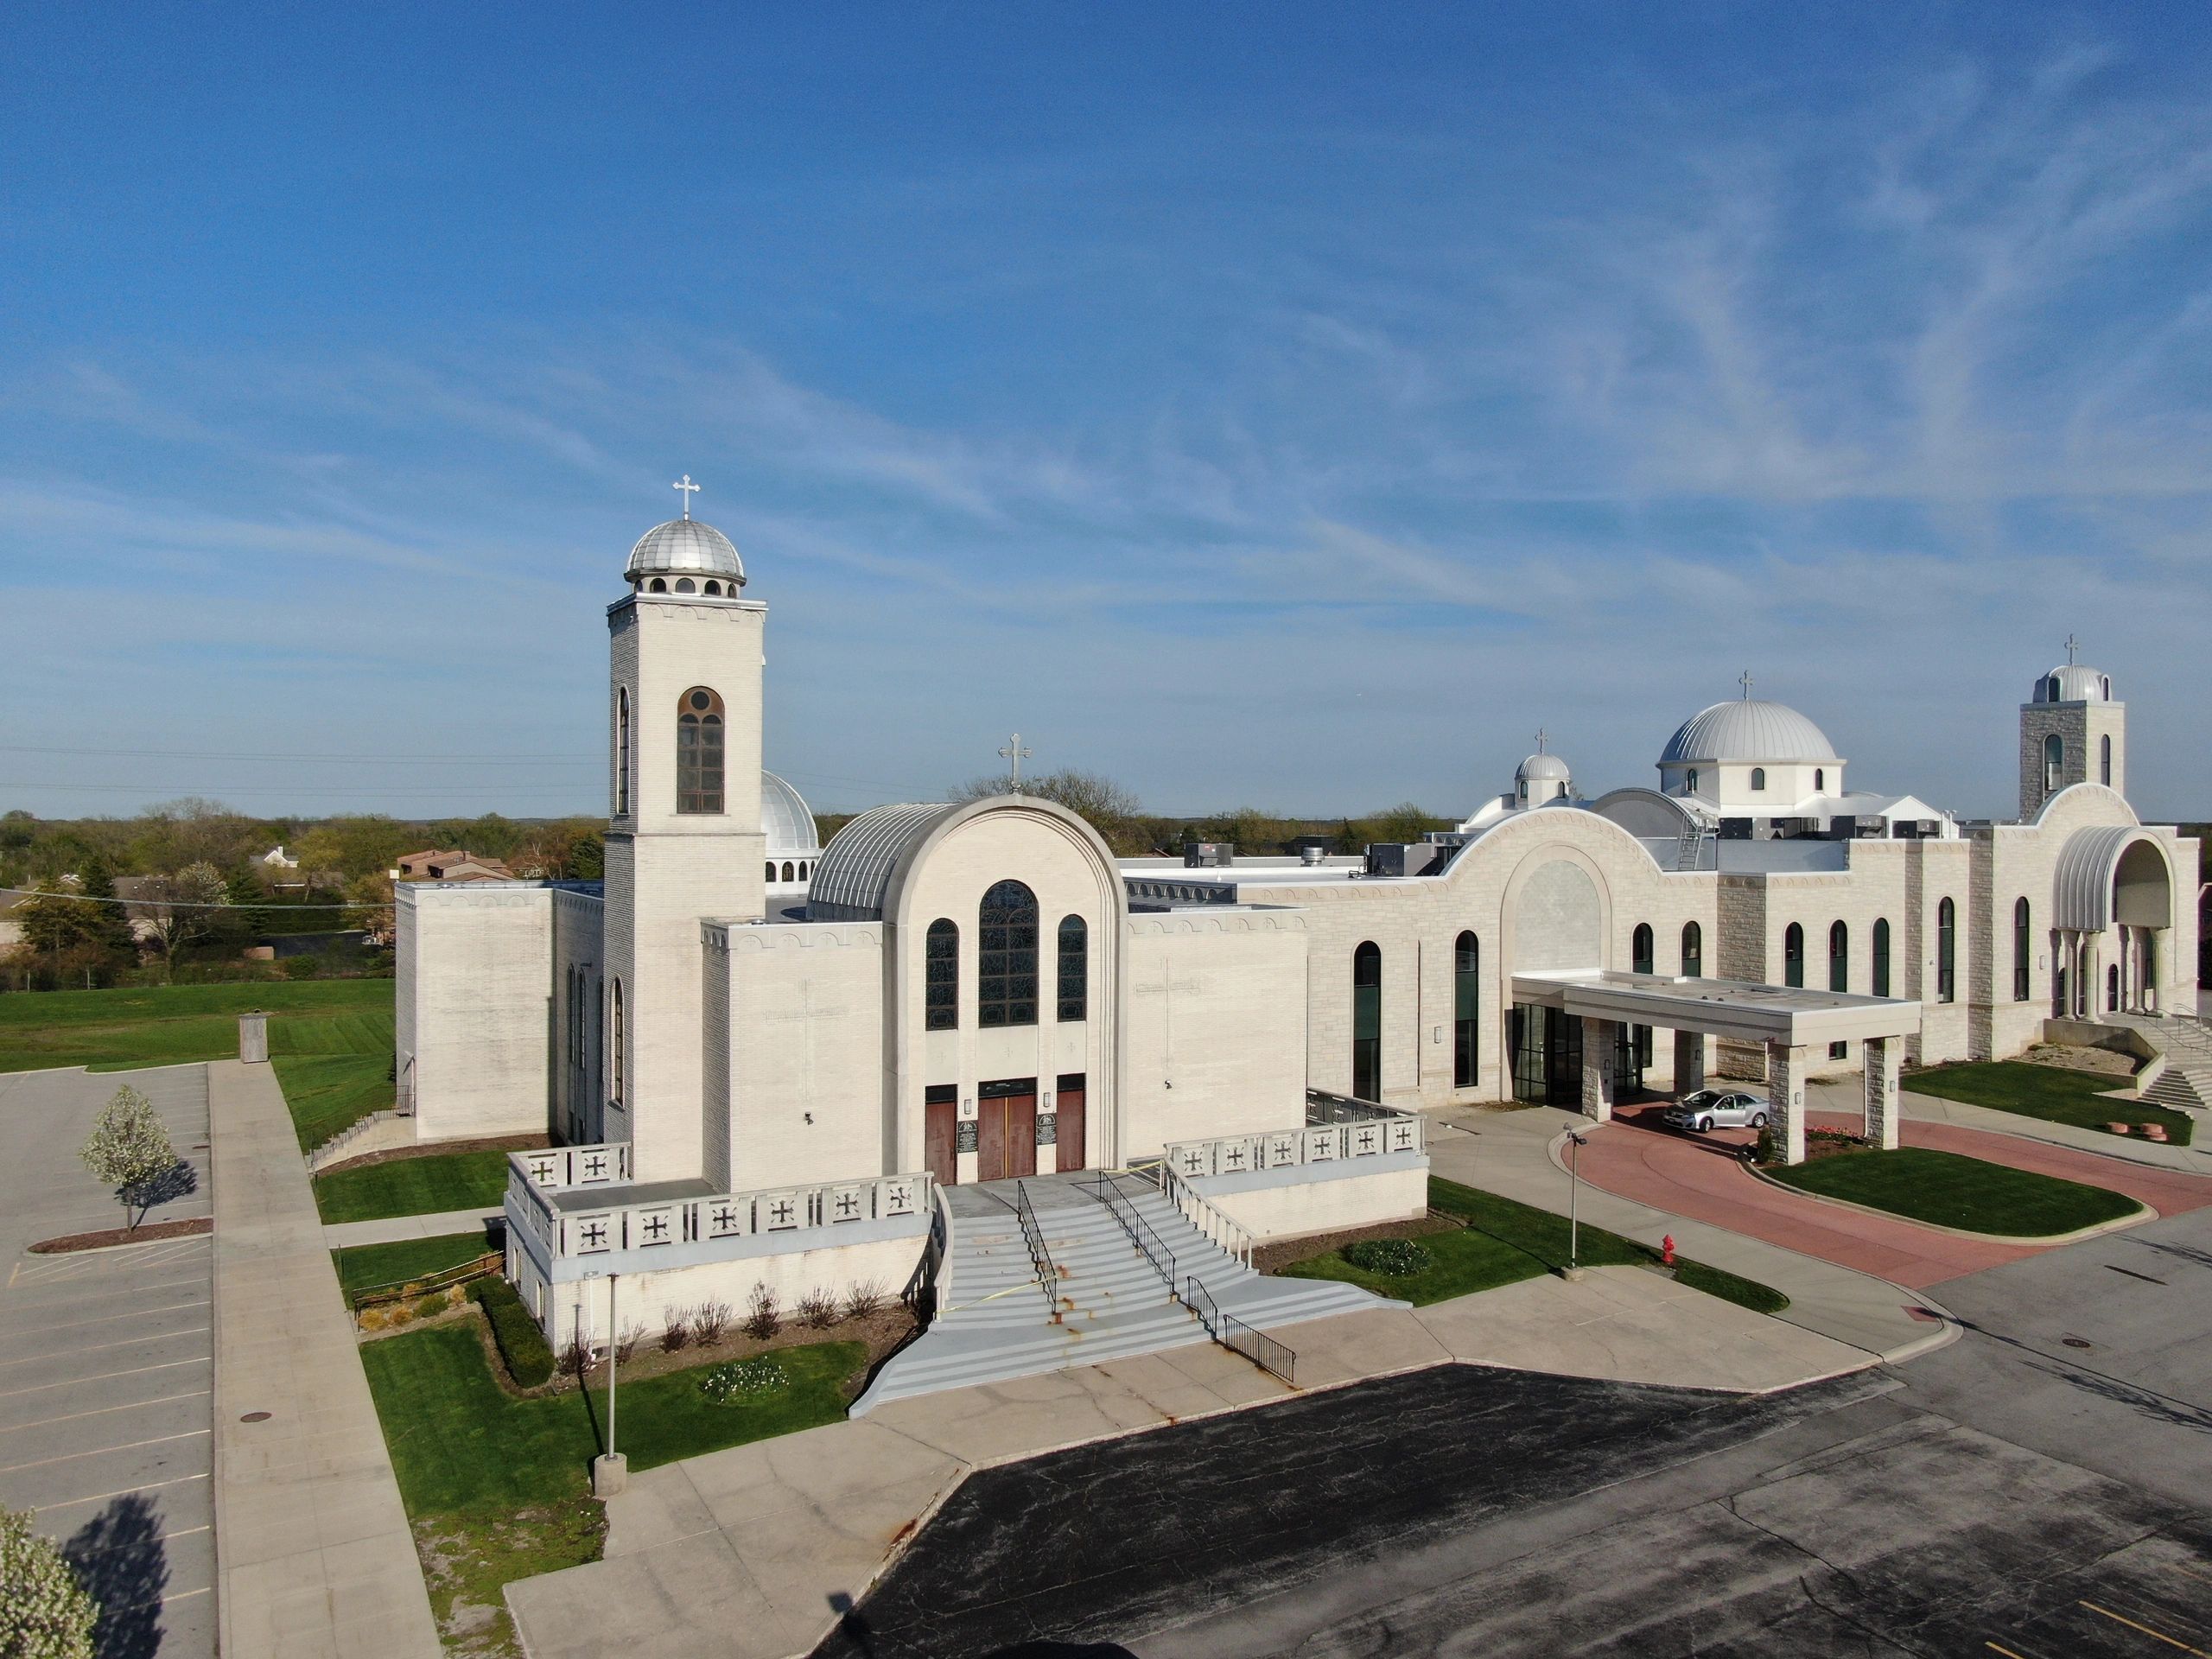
(610, 1471)
(1574, 1145)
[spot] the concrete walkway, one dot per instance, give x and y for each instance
(752, 1551)
(1509, 1154)
(2188, 1161)
(390, 1229)
(312, 1548)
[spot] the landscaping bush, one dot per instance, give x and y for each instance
(436, 1302)
(520, 1343)
(627, 1344)
(817, 1309)
(1396, 1258)
(709, 1323)
(863, 1299)
(676, 1335)
(576, 1358)
(762, 1318)
(731, 1382)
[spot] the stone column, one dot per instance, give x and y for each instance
(1598, 1036)
(1883, 1054)
(1785, 1082)
(1689, 1062)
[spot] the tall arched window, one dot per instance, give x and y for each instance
(1693, 950)
(1367, 1021)
(2053, 761)
(1947, 951)
(2050, 690)
(2104, 760)
(699, 751)
(772, 869)
(618, 1050)
(1881, 980)
(1006, 973)
(1759, 777)
(1641, 958)
(1072, 991)
(790, 873)
(2020, 950)
(1793, 956)
(622, 750)
(1820, 779)
(1690, 784)
(1466, 1010)
(1839, 957)
(941, 972)
(2112, 988)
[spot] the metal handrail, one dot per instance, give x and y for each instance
(1041, 1254)
(1209, 1218)
(1237, 1335)
(1141, 1231)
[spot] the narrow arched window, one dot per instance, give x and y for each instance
(2020, 950)
(1006, 974)
(1839, 957)
(941, 973)
(1690, 787)
(684, 585)
(2107, 688)
(2112, 988)
(1071, 991)
(1881, 981)
(1820, 779)
(2104, 761)
(2050, 690)
(1793, 956)
(1641, 958)
(1466, 1010)
(657, 586)
(715, 589)
(699, 752)
(1693, 950)
(622, 750)
(790, 875)
(1367, 1022)
(1947, 951)
(2053, 761)
(618, 1051)
(1759, 777)
(772, 869)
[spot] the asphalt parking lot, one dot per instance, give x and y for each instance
(105, 1364)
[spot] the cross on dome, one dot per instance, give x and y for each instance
(2072, 645)
(1540, 739)
(1744, 680)
(1014, 754)
(689, 490)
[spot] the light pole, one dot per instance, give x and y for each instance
(1575, 1143)
(610, 1471)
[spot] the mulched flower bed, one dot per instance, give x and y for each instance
(1279, 1254)
(148, 1233)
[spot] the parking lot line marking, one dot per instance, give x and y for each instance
(109, 1319)
(136, 1370)
(2159, 1636)
(102, 1451)
(121, 1491)
(14, 1300)
(98, 1411)
(196, 1331)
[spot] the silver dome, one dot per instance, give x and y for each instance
(1540, 767)
(786, 820)
(685, 547)
(1748, 729)
(2074, 682)
(854, 876)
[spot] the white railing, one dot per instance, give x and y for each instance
(566, 1231)
(1317, 1144)
(557, 1168)
(1210, 1218)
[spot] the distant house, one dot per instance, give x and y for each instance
(457, 865)
(11, 926)
(277, 859)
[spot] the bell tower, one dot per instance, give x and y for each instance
(2072, 731)
(684, 837)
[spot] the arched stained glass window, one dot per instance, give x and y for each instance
(1881, 982)
(2020, 950)
(1693, 950)
(2104, 760)
(622, 750)
(1793, 956)
(1947, 951)
(1006, 972)
(941, 971)
(1466, 1010)
(1839, 957)
(699, 751)
(1071, 993)
(619, 1055)
(2053, 761)
(1367, 1021)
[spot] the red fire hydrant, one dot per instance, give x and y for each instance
(1667, 1249)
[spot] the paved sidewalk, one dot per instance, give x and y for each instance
(2188, 1161)
(1509, 1154)
(313, 1547)
(749, 1552)
(343, 1235)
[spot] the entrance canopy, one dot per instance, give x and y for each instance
(1736, 1009)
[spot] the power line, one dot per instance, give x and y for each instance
(324, 755)
(176, 903)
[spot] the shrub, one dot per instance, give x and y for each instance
(709, 1323)
(816, 1309)
(303, 966)
(398, 1313)
(729, 1383)
(576, 1358)
(627, 1344)
(372, 1318)
(434, 1303)
(763, 1319)
(863, 1299)
(520, 1343)
(45, 1612)
(1394, 1258)
(676, 1332)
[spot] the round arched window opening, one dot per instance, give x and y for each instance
(657, 586)
(684, 585)
(715, 589)
(699, 739)
(1759, 777)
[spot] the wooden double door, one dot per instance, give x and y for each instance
(1006, 1130)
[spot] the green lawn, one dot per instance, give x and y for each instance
(413, 1187)
(1952, 1191)
(367, 1266)
(1504, 1242)
(2047, 1092)
(498, 1484)
(171, 1024)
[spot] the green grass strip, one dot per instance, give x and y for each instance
(413, 1187)
(2047, 1092)
(364, 1266)
(1950, 1190)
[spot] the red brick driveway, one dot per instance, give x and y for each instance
(1701, 1176)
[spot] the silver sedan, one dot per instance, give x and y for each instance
(1714, 1109)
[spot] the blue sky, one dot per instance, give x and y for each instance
(1273, 405)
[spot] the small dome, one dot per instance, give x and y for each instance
(1538, 767)
(2074, 682)
(786, 820)
(1748, 729)
(685, 547)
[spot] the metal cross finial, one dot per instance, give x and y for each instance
(1540, 739)
(1013, 754)
(1746, 682)
(2072, 645)
(689, 490)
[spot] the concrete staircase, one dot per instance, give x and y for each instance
(2185, 1084)
(994, 1321)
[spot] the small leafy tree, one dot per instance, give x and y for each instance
(130, 1151)
(45, 1612)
